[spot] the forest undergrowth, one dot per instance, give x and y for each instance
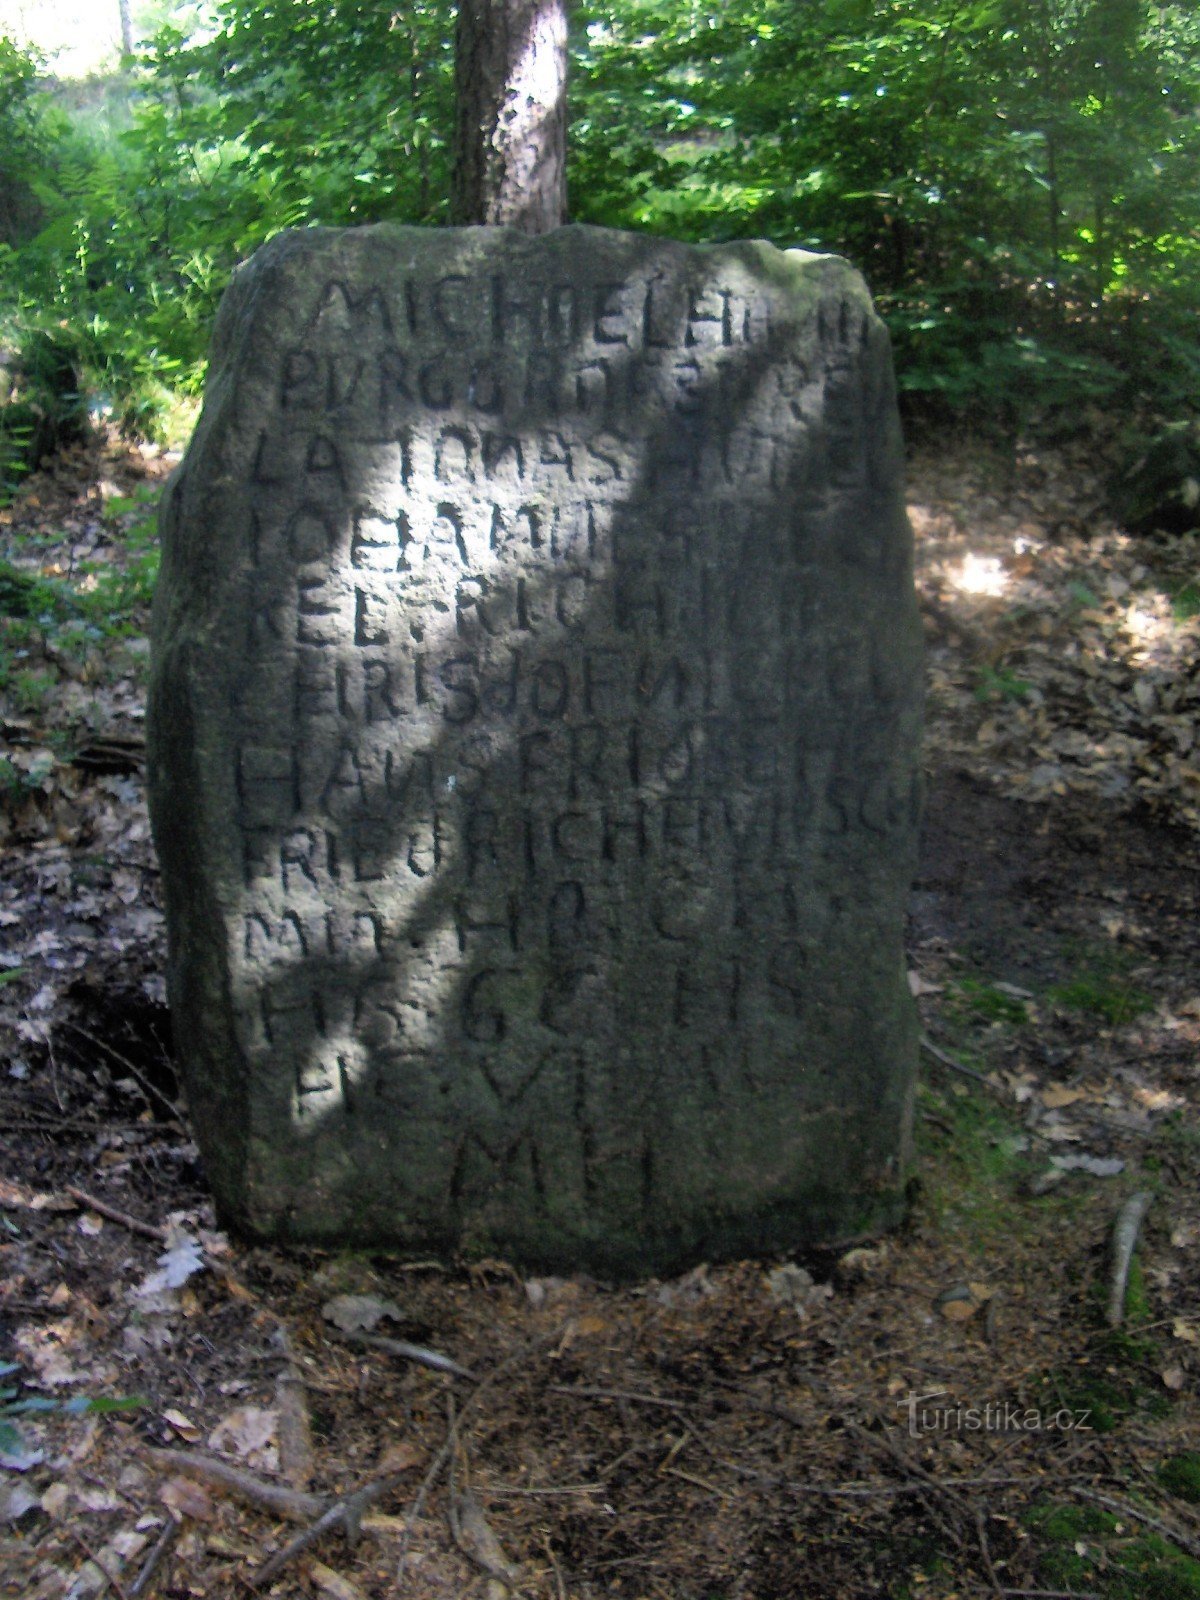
(944, 1412)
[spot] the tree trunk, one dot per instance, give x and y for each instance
(510, 80)
(126, 28)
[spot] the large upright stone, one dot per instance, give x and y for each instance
(534, 727)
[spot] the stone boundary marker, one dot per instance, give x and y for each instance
(534, 721)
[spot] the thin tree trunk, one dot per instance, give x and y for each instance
(510, 80)
(126, 28)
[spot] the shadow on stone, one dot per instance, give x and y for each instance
(534, 714)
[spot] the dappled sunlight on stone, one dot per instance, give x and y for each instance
(534, 731)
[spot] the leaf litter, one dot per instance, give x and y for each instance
(748, 1428)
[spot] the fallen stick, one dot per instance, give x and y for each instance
(925, 1483)
(148, 1230)
(345, 1513)
(1053, 1594)
(149, 1092)
(1125, 1234)
(412, 1352)
(153, 1230)
(469, 1528)
(1190, 1547)
(579, 1391)
(296, 1460)
(107, 1579)
(141, 1584)
(293, 1504)
(450, 1442)
(947, 1060)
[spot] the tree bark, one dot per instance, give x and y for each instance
(126, 27)
(510, 80)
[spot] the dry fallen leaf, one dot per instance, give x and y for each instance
(1058, 1096)
(1185, 1330)
(399, 1458)
(1098, 1166)
(45, 1348)
(960, 1303)
(55, 1500)
(182, 1258)
(353, 1313)
(791, 1285)
(183, 1426)
(917, 985)
(474, 1536)
(95, 1499)
(18, 1197)
(1173, 1379)
(333, 1584)
(15, 1500)
(248, 1432)
(1157, 1099)
(183, 1498)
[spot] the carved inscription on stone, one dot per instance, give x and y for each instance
(534, 724)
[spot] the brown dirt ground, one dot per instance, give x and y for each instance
(741, 1433)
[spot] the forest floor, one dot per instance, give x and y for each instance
(944, 1412)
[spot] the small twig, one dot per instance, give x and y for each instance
(939, 1054)
(985, 1552)
(882, 1491)
(1122, 1508)
(577, 1391)
(141, 1584)
(1053, 1594)
(450, 1443)
(560, 1587)
(143, 1082)
(412, 1352)
(148, 1230)
(153, 1230)
(700, 1483)
(58, 1100)
(503, 1491)
(345, 1513)
(293, 1504)
(107, 1576)
(929, 1487)
(1125, 1233)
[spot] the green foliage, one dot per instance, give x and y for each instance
(1018, 183)
(1094, 1551)
(31, 598)
(975, 1188)
(1021, 185)
(1108, 995)
(975, 998)
(1159, 488)
(999, 683)
(14, 1404)
(45, 408)
(1181, 1475)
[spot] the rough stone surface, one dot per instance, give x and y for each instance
(533, 731)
